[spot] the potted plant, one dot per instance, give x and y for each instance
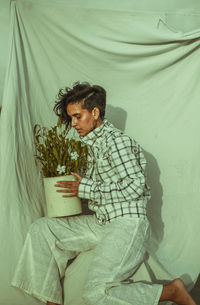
(58, 156)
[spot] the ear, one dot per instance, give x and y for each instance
(96, 113)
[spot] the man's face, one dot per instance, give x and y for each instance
(81, 119)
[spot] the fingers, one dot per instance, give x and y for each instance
(70, 195)
(77, 176)
(69, 187)
(69, 183)
(69, 190)
(65, 185)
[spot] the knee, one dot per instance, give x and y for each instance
(38, 225)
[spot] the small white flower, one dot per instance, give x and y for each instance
(61, 169)
(74, 155)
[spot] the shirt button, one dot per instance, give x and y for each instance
(101, 221)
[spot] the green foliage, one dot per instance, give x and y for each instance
(57, 154)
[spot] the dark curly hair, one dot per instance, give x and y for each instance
(89, 96)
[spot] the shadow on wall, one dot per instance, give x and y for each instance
(154, 206)
(117, 116)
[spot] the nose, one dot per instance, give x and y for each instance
(73, 122)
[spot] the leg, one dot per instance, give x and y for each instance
(177, 293)
(49, 244)
(116, 257)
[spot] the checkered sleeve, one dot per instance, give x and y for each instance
(128, 163)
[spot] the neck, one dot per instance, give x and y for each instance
(99, 122)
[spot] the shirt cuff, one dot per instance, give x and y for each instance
(85, 188)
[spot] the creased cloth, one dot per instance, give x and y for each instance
(119, 249)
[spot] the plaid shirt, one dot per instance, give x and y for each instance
(115, 183)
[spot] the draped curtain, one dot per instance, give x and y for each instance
(148, 61)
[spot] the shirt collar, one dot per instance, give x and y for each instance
(96, 133)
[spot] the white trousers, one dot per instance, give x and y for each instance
(119, 249)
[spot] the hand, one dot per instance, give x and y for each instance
(70, 187)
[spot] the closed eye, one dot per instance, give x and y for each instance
(76, 115)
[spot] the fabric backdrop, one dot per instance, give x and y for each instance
(4, 33)
(147, 58)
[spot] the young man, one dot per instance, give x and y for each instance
(117, 193)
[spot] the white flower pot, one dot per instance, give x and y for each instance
(57, 206)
